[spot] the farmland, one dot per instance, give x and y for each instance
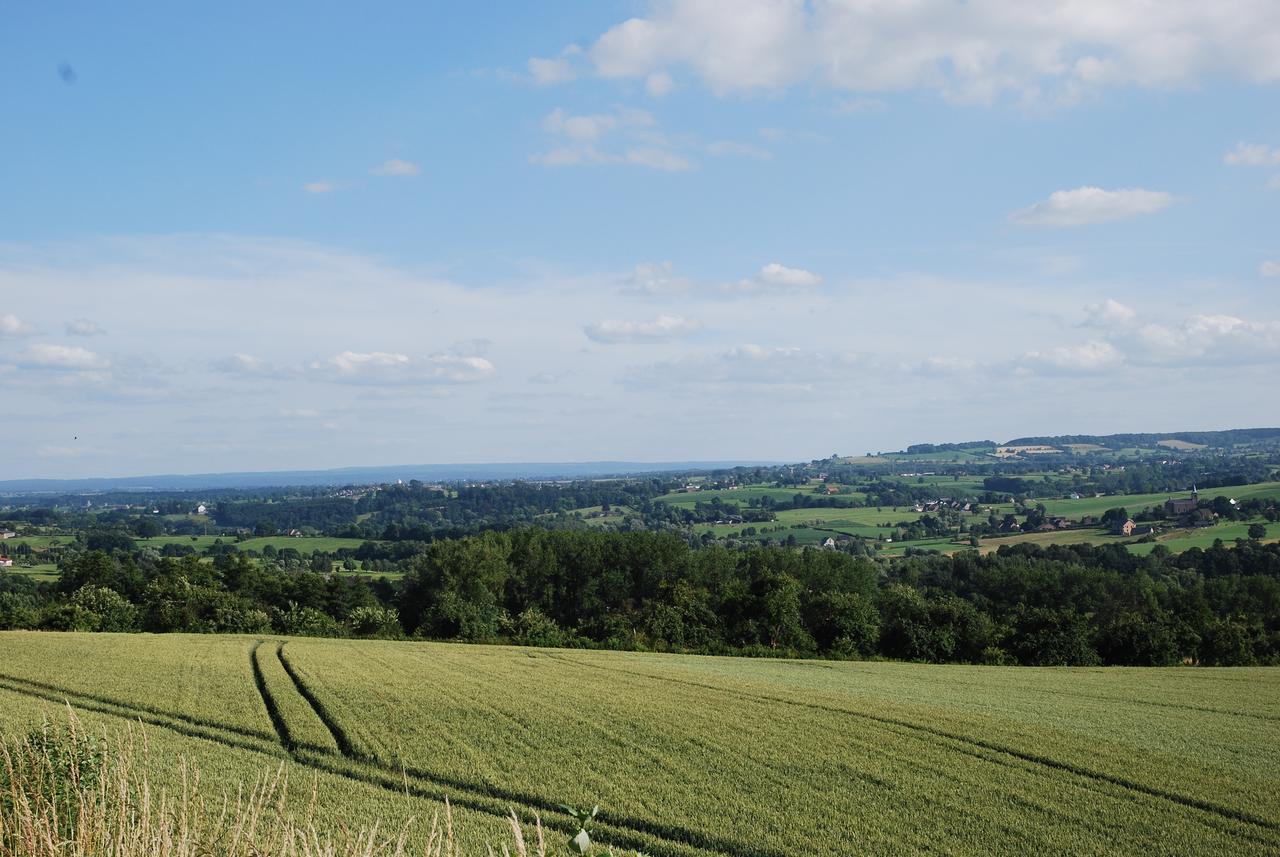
(824, 757)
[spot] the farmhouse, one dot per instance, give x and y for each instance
(7, 534)
(6, 561)
(1125, 529)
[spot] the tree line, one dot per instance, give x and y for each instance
(655, 591)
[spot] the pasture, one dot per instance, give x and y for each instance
(696, 755)
(1134, 503)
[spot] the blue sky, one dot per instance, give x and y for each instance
(285, 237)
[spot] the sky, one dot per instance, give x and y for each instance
(283, 236)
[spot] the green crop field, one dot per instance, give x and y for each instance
(696, 755)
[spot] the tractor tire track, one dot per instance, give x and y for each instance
(269, 702)
(137, 706)
(975, 744)
(139, 715)
(421, 784)
(629, 832)
(652, 832)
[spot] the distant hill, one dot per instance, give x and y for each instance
(1215, 439)
(367, 475)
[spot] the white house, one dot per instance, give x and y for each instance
(201, 509)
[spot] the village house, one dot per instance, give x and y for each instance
(7, 534)
(6, 561)
(1125, 529)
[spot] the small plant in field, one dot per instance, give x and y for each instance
(584, 818)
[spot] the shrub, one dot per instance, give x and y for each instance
(375, 622)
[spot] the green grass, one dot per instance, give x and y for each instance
(739, 496)
(47, 571)
(1134, 503)
(700, 755)
(304, 544)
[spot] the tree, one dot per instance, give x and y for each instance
(1257, 532)
(1114, 518)
(147, 528)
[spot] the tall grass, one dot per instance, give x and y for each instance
(67, 793)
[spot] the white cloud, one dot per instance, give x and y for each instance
(546, 71)
(1086, 358)
(66, 357)
(972, 51)
(654, 278)
(721, 148)
(1108, 313)
(1253, 155)
(658, 84)
(319, 187)
(1086, 205)
(84, 327)
(780, 369)
(658, 158)
(1269, 269)
(385, 368)
(625, 136)
(772, 276)
(11, 325)
(1207, 340)
(661, 329)
(777, 274)
(247, 365)
(396, 167)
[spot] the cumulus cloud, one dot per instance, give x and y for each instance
(1207, 340)
(965, 50)
(773, 276)
(61, 357)
(84, 327)
(396, 167)
(1085, 358)
(664, 328)
(1253, 155)
(1086, 205)
(1269, 269)
(11, 325)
